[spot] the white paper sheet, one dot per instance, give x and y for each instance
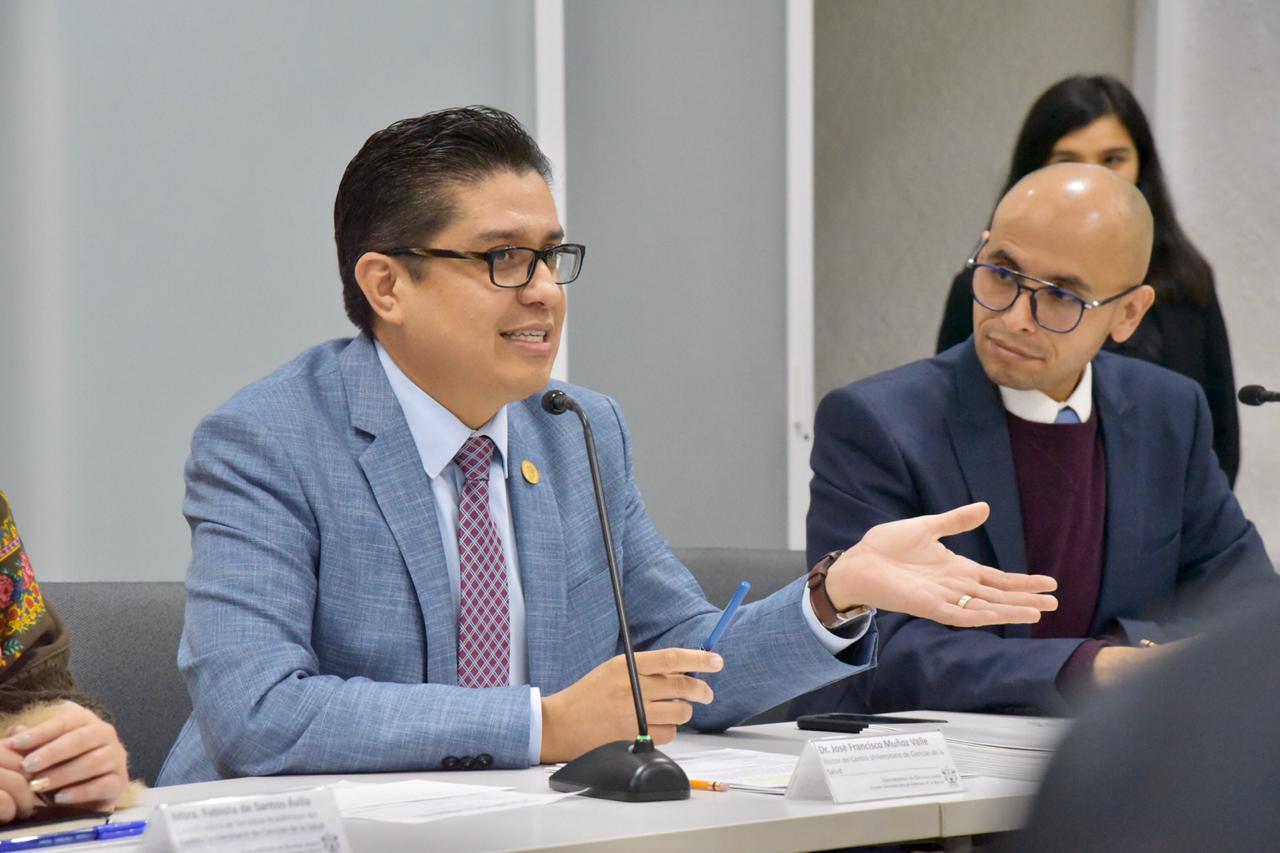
(1006, 747)
(743, 769)
(354, 796)
(425, 811)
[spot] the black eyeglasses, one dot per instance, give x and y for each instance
(512, 266)
(1054, 308)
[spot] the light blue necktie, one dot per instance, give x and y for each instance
(1067, 416)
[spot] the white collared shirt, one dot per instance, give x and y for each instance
(439, 435)
(1038, 407)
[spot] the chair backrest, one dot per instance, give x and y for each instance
(124, 648)
(720, 570)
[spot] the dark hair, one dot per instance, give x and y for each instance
(397, 190)
(1178, 271)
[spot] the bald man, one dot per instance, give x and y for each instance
(1098, 468)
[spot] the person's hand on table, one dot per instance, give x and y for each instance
(75, 758)
(598, 708)
(16, 799)
(1114, 664)
(901, 566)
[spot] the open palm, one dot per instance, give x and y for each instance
(901, 566)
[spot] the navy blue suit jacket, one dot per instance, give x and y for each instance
(932, 435)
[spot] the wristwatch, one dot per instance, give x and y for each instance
(843, 622)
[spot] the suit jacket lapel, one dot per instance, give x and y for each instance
(402, 489)
(980, 436)
(1121, 444)
(540, 544)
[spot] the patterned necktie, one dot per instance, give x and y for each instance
(1067, 416)
(484, 628)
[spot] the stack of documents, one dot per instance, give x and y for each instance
(1006, 747)
(421, 801)
(741, 769)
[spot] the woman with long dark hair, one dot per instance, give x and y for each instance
(1097, 120)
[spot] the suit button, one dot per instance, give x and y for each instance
(466, 762)
(484, 759)
(449, 763)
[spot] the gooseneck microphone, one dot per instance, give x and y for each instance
(621, 770)
(1256, 395)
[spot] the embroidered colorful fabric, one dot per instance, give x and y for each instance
(20, 596)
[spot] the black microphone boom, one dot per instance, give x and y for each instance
(634, 772)
(1256, 395)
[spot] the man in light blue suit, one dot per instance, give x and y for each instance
(396, 558)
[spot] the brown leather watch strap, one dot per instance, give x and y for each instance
(823, 607)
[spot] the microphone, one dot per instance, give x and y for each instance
(1256, 395)
(633, 772)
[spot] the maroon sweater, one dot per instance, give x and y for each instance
(1062, 491)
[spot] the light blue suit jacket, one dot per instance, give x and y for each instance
(319, 634)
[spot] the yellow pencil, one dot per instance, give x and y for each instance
(701, 785)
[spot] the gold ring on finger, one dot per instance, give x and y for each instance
(964, 599)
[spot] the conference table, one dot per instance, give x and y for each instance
(707, 821)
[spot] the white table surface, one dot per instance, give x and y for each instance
(708, 820)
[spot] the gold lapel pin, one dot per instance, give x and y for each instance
(530, 472)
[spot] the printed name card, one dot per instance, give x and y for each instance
(297, 822)
(854, 769)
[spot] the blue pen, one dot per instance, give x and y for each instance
(104, 832)
(725, 618)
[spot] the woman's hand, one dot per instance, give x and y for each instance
(16, 798)
(76, 757)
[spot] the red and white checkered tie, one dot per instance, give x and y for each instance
(484, 626)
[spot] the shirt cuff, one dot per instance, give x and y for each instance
(535, 727)
(830, 640)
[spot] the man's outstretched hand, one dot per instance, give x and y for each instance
(901, 566)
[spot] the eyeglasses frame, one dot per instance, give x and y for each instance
(543, 255)
(973, 264)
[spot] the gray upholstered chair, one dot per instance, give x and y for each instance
(720, 570)
(124, 648)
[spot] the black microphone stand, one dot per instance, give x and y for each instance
(635, 771)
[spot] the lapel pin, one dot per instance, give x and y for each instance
(530, 472)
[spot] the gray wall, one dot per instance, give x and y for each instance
(1215, 81)
(676, 146)
(167, 173)
(917, 106)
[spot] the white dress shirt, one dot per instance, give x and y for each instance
(1038, 407)
(439, 435)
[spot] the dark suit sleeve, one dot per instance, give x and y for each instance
(862, 478)
(1214, 556)
(1220, 387)
(957, 316)
(1221, 558)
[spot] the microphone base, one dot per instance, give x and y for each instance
(628, 771)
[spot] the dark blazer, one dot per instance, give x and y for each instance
(1184, 758)
(933, 435)
(1186, 338)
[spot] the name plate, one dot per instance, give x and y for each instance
(858, 768)
(296, 822)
